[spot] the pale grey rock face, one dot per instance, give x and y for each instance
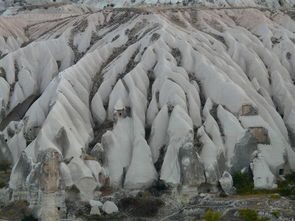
(209, 75)
(66, 177)
(226, 183)
(95, 203)
(62, 141)
(114, 3)
(49, 210)
(4, 195)
(95, 210)
(191, 169)
(109, 207)
(83, 179)
(20, 172)
(44, 175)
(98, 152)
(5, 154)
(49, 177)
(243, 152)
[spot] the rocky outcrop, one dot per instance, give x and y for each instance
(243, 152)
(134, 97)
(126, 3)
(20, 172)
(5, 154)
(49, 176)
(109, 207)
(191, 169)
(226, 183)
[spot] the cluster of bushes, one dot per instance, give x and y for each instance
(287, 186)
(211, 215)
(251, 215)
(276, 213)
(243, 182)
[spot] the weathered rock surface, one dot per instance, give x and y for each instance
(95, 203)
(126, 3)
(95, 210)
(226, 183)
(191, 168)
(109, 207)
(129, 97)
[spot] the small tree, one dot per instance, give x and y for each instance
(243, 182)
(212, 215)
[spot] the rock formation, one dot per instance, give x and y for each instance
(130, 97)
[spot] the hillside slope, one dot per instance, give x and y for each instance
(136, 95)
(267, 3)
(132, 3)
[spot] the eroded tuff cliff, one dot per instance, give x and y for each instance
(140, 3)
(130, 96)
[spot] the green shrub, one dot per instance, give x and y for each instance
(275, 196)
(251, 215)
(212, 215)
(287, 186)
(2, 184)
(243, 183)
(291, 178)
(276, 213)
(285, 191)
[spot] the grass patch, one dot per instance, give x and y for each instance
(276, 213)
(211, 215)
(274, 196)
(251, 215)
